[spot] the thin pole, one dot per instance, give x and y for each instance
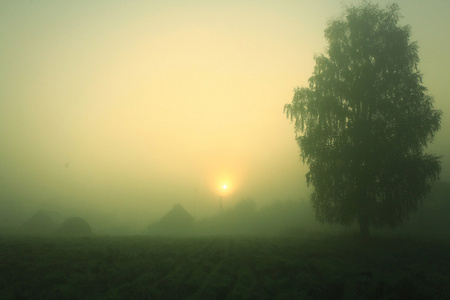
(220, 207)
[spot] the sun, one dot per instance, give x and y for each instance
(224, 186)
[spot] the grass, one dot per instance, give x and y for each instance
(308, 267)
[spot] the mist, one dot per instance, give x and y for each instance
(145, 152)
(116, 112)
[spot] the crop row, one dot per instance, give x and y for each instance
(222, 268)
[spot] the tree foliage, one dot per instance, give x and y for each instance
(365, 120)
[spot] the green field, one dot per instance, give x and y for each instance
(307, 267)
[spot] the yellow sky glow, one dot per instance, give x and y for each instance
(133, 106)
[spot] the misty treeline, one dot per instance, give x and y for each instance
(432, 218)
(297, 218)
(287, 217)
(245, 218)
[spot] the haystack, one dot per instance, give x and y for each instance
(177, 221)
(74, 226)
(40, 223)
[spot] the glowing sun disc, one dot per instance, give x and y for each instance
(224, 186)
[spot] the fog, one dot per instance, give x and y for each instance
(114, 111)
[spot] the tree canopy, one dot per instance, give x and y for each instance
(365, 120)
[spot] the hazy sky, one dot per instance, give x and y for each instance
(128, 107)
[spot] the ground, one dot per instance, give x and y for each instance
(286, 267)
